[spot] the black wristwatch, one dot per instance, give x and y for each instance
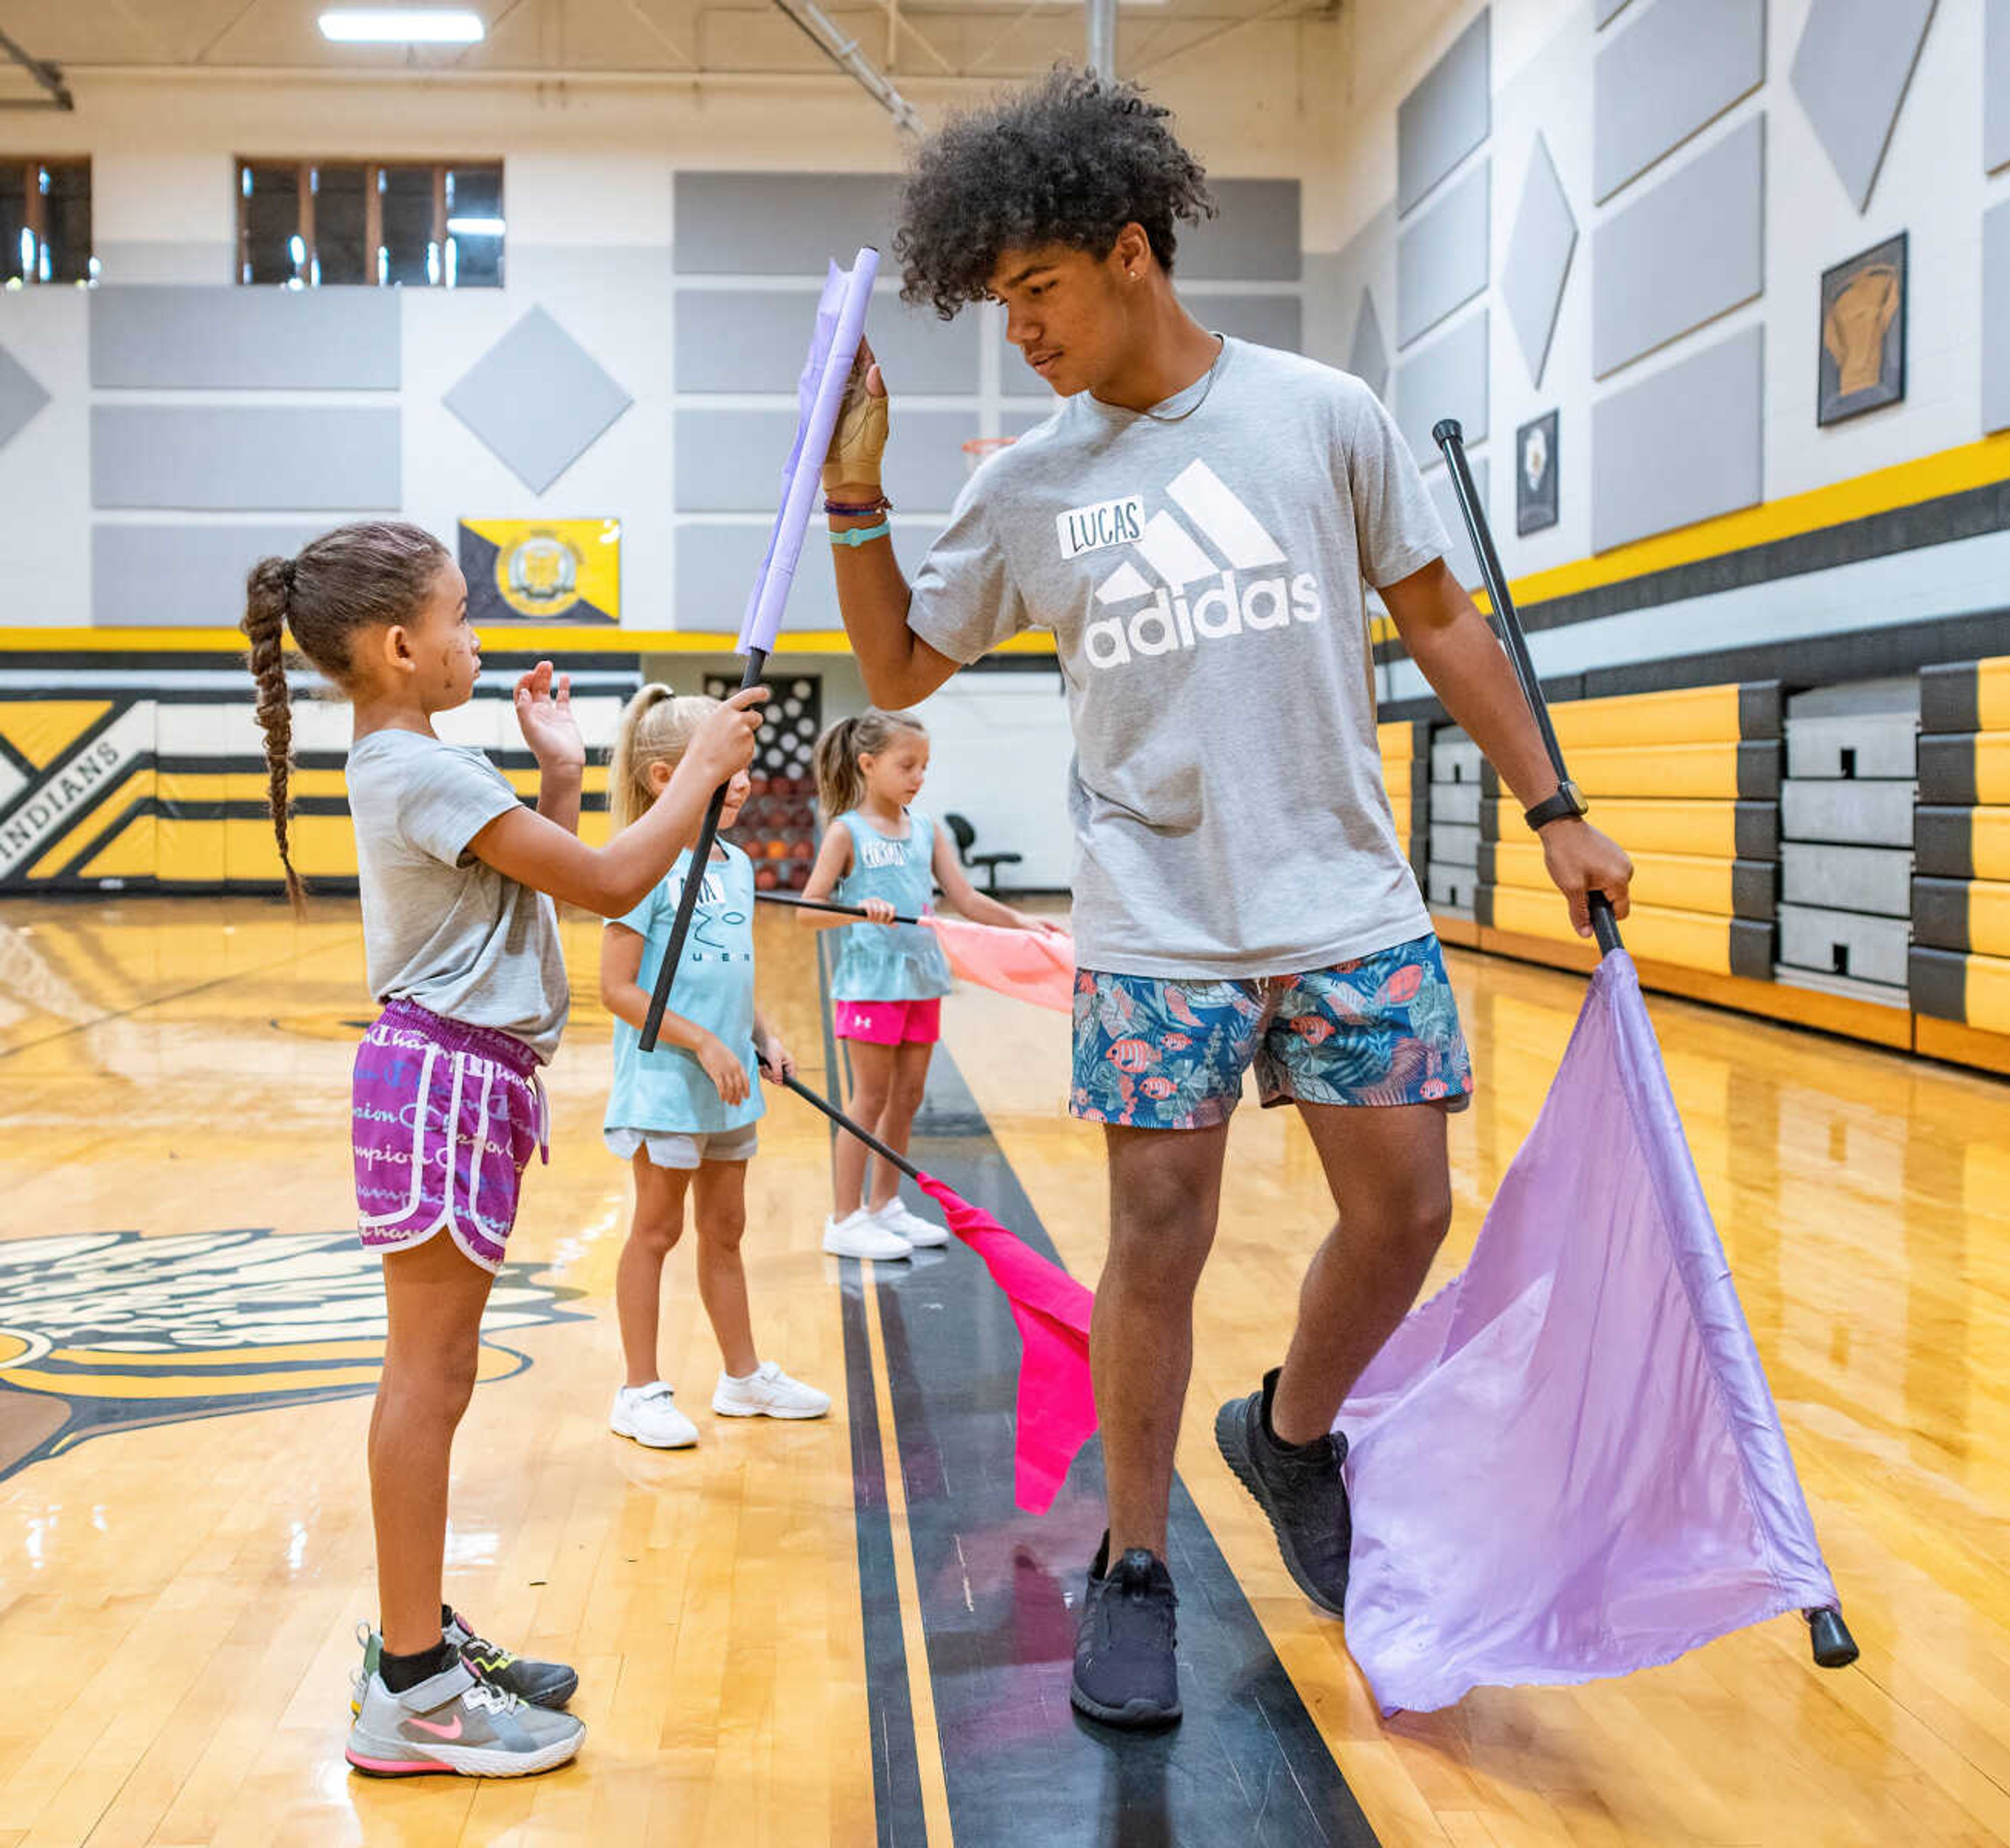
(1568, 802)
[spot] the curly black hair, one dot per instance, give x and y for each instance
(1070, 161)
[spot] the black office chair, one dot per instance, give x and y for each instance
(965, 837)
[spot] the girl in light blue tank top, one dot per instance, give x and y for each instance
(881, 852)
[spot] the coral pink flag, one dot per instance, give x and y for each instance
(1056, 1409)
(1035, 965)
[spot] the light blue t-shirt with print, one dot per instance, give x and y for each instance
(890, 962)
(666, 1091)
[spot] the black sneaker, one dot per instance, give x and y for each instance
(541, 1683)
(1124, 1674)
(1298, 1486)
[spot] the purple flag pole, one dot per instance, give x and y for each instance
(840, 325)
(1734, 1501)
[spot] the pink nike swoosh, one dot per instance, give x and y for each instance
(426, 1726)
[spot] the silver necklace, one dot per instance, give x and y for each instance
(1206, 389)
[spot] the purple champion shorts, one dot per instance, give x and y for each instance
(445, 1117)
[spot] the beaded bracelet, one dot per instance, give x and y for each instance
(846, 510)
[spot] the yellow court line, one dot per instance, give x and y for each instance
(915, 1639)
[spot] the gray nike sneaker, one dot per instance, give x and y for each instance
(457, 1723)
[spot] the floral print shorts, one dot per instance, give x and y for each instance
(1161, 1054)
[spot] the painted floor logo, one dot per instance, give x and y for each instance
(107, 1332)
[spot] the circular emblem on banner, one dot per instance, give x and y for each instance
(538, 575)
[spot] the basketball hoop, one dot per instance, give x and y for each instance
(980, 449)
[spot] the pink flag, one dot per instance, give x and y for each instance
(1567, 1463)
(1057, 1411)
(1035, 965)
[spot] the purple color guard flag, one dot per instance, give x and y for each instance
(840, 324)
(1568, 1464)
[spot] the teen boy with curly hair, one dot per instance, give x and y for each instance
(1193, 524)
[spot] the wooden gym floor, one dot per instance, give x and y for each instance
(841, 1633)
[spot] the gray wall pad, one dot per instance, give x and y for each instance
(1877, 813)
(1943, 843)
(1996, 87)
(538, 400)
(1445, 379)
(269, 459)
(1368, 358)
(1447, 116)
(1538, 259)
(181, 576)
(1683, 445)
(1441, 254)
(21, 397)
(1865, 745)
(779, 224)
(1681, 254)
(1938, 982)
(190, 339)
(1679, 65)
(731, 461)
(1878, 880)
(1850, 72)
(1996, 315)
(1940, 913)
(1872, 948)
(754, 340)
(716, 567)
(1946, 769)
(1254, 237)
(1464, 562)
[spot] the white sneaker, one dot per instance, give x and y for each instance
(917, 1231)
(767, 1392)
(862, 1236)
(649, 1415)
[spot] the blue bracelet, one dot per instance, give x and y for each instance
(859, 535)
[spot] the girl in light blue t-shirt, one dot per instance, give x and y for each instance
(881, 853)
(684, 1116)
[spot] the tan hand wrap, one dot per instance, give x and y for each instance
(859, 441)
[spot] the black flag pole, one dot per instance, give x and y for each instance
(1449, 437)
(659, 999)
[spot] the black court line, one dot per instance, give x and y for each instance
(1000, 1589)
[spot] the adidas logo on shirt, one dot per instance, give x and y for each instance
(1174, 615)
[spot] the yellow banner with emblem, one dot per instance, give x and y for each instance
(541, 570)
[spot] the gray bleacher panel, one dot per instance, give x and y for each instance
(1866, 729)
(1454, 759)
(1845, 943)
(1878, 880)
(1451, 888)
(1455, 801)
(1853, 813)
(1453, 843)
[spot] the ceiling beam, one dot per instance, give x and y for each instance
(48, 75)
(818, 27)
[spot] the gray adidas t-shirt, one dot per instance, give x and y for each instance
(1202, 579)
(440, 926)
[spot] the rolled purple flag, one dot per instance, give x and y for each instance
(1567, 1463)
(840, 325)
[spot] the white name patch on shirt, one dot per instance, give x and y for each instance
(1108, 522)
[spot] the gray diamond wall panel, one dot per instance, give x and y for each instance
(209, 458)
(1850, 72)
(1681, 254)
(1674, 67)
(235, 338)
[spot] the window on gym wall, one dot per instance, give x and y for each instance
(322, 224)
(44, 222)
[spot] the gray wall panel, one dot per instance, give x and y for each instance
(1368, 357)
(181, 576)
(754, 340)
(153, 260)
(731, 461)
(1447, 116)
(1850, 72)
(716, 568)
(1681, 254)
(1463, 561)
(779, 224)
(1253, 238)
(1441, 255)
(1996, 315)
(1683, 445)
(1604, 12)
(1677, 65)
(269, 459)
(1996, 87)
(167, 338)
(1445, 379)
(1269, 320)
(22, 395)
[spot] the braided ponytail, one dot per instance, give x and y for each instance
(268, 593)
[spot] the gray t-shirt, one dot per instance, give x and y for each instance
(1201, 574)
(440, 926)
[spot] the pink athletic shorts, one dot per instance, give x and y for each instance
(890, 1023)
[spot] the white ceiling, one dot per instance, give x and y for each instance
(912, 38)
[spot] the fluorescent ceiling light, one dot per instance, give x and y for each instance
(412, 25)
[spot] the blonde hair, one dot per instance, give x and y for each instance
(840, 783)
(656, 726)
